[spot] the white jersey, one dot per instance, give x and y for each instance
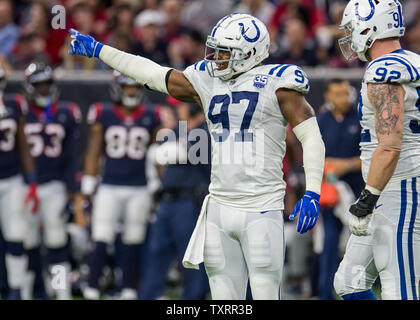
(401, 67)
(248, 133)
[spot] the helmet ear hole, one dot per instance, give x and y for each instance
(364, 32)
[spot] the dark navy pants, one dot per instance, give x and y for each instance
(4, 287)
(169, 237)
(329, 258)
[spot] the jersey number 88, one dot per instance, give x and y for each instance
(131, 142)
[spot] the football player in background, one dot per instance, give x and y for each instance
(51, 130)
(184, 186)
(239, 232)
(120, 134)
(14, 156)
(384, 222)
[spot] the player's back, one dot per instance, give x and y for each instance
(126, 139)
(398, 67)
(248, 133)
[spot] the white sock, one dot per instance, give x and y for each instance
(16, 269)
(28, 285)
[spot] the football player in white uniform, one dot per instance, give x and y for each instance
(384, 220)
(239, 233)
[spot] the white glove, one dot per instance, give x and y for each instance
(360, 226)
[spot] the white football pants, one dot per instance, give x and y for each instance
(12, 211)
(241, 244)
(53, 199)
(111, 203)
(391, 252)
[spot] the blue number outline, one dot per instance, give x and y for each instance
(252, 97)
(223, 116)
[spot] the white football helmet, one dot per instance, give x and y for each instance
(365, 21)
(246, 39)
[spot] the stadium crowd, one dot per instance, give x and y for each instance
(173, 33)
(303, 32)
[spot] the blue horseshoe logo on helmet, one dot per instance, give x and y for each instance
(370, 15)
(244, 35)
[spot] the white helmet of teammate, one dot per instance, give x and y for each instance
(246, 39)
(365, 21)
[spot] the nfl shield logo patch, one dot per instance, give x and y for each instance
(260, 81)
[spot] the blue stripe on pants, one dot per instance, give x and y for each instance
(410, 239)
(399, 239)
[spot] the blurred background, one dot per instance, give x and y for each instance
(173, 33)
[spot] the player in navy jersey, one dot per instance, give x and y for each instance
(51, 130)
(14, 156)
(120, 133)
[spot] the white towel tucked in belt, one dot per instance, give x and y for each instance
(194, 254)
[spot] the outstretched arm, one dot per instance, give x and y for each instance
(144, 71)
(301, 117)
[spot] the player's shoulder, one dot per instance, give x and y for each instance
(151, 110)
(71, 109)
(400, 66)
(289, 76)
(98, 110)
(16, 102)
(197, 69)
(197, 73)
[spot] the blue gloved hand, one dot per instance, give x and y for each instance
(84, 45)
(308, 210)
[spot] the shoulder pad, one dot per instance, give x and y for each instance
(21, 104)
(391, 68)
(200, 65)
(157, 110)
(75, 112)
(289, 76)
(198, 76)
(17, 102)
(95, 113)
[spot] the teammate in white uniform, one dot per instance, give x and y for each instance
(239, 233)
(384, 220)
